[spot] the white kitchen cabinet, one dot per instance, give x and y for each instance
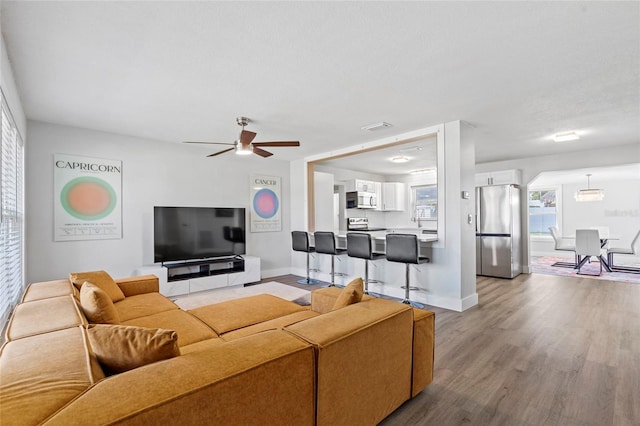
(378, 192)
(502, 177)
(361, 185)
(393, 196)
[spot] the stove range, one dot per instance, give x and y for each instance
(361, 224)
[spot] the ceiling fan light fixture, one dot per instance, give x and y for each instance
(244, 150)
(565, 137)
(589, 194)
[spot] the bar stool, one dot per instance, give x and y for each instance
(325, 243)
(300, 242)
(359, 245)
(403, 248)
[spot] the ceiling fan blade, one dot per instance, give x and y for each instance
(221, 152)
(246, 137)
(209, 143)
(261, 152)
(279, 143)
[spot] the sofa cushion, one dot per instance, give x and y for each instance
(234, 314)
(189, 328)
(142, 305)
(202, 345)
(120, 348)
(43, 316)
(349, 295)
(274, 324)
(101, 279)
(47, 289)
(41, 374)
(97, 305)
(264, 379)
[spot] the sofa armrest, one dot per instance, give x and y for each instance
(423, 349)
(132, 286)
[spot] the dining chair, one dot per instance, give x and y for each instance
(564, 244)
(633, 250)
(587, 245)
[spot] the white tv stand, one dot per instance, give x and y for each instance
(189, 277)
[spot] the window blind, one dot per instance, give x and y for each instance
(11, 215)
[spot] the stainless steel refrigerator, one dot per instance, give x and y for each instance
(498, 231)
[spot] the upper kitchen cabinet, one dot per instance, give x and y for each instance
(502, 177)
(361, 185)
(393, 197)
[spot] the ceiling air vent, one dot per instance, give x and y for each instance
(376, 126)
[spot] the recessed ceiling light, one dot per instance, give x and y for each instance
(565, 137)
(400, 159)
(376, 126)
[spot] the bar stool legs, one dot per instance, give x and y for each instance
(407, 288)
(308, 280)
(334, 273)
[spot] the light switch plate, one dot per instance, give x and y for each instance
(465, 195)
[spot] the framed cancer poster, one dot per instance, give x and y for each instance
(265, 204)
(87, 198)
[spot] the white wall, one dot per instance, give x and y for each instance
(533, 166)
(154, 173)
(620, 211)
(10, 91)
(323, 201)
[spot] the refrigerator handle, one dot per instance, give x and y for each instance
(477, 210)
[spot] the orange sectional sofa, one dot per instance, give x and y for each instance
(258, 360)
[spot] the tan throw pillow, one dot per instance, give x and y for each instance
(352, 293)
(120, 348)
(101, 279)
(97, 305)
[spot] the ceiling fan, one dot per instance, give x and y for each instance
(244, 145)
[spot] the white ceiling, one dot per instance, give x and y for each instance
(420, 155)
(579, 176)
(319, 71)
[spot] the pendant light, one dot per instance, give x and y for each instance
(589, 194)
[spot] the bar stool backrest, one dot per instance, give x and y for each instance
(359, 245)
(325, 242)
(300, 241)
(402, 248)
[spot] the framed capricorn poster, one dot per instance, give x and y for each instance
(87, 198)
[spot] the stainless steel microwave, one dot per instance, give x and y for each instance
(361, 200)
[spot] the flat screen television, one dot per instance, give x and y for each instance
(190, 233)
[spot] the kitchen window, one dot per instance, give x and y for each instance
(543, 211)
(11, 215)
(425, 202)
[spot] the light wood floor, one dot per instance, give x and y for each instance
(537, 350)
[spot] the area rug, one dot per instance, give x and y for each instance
(202, 298)
(542, 265)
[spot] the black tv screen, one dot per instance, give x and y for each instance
(183, 233)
